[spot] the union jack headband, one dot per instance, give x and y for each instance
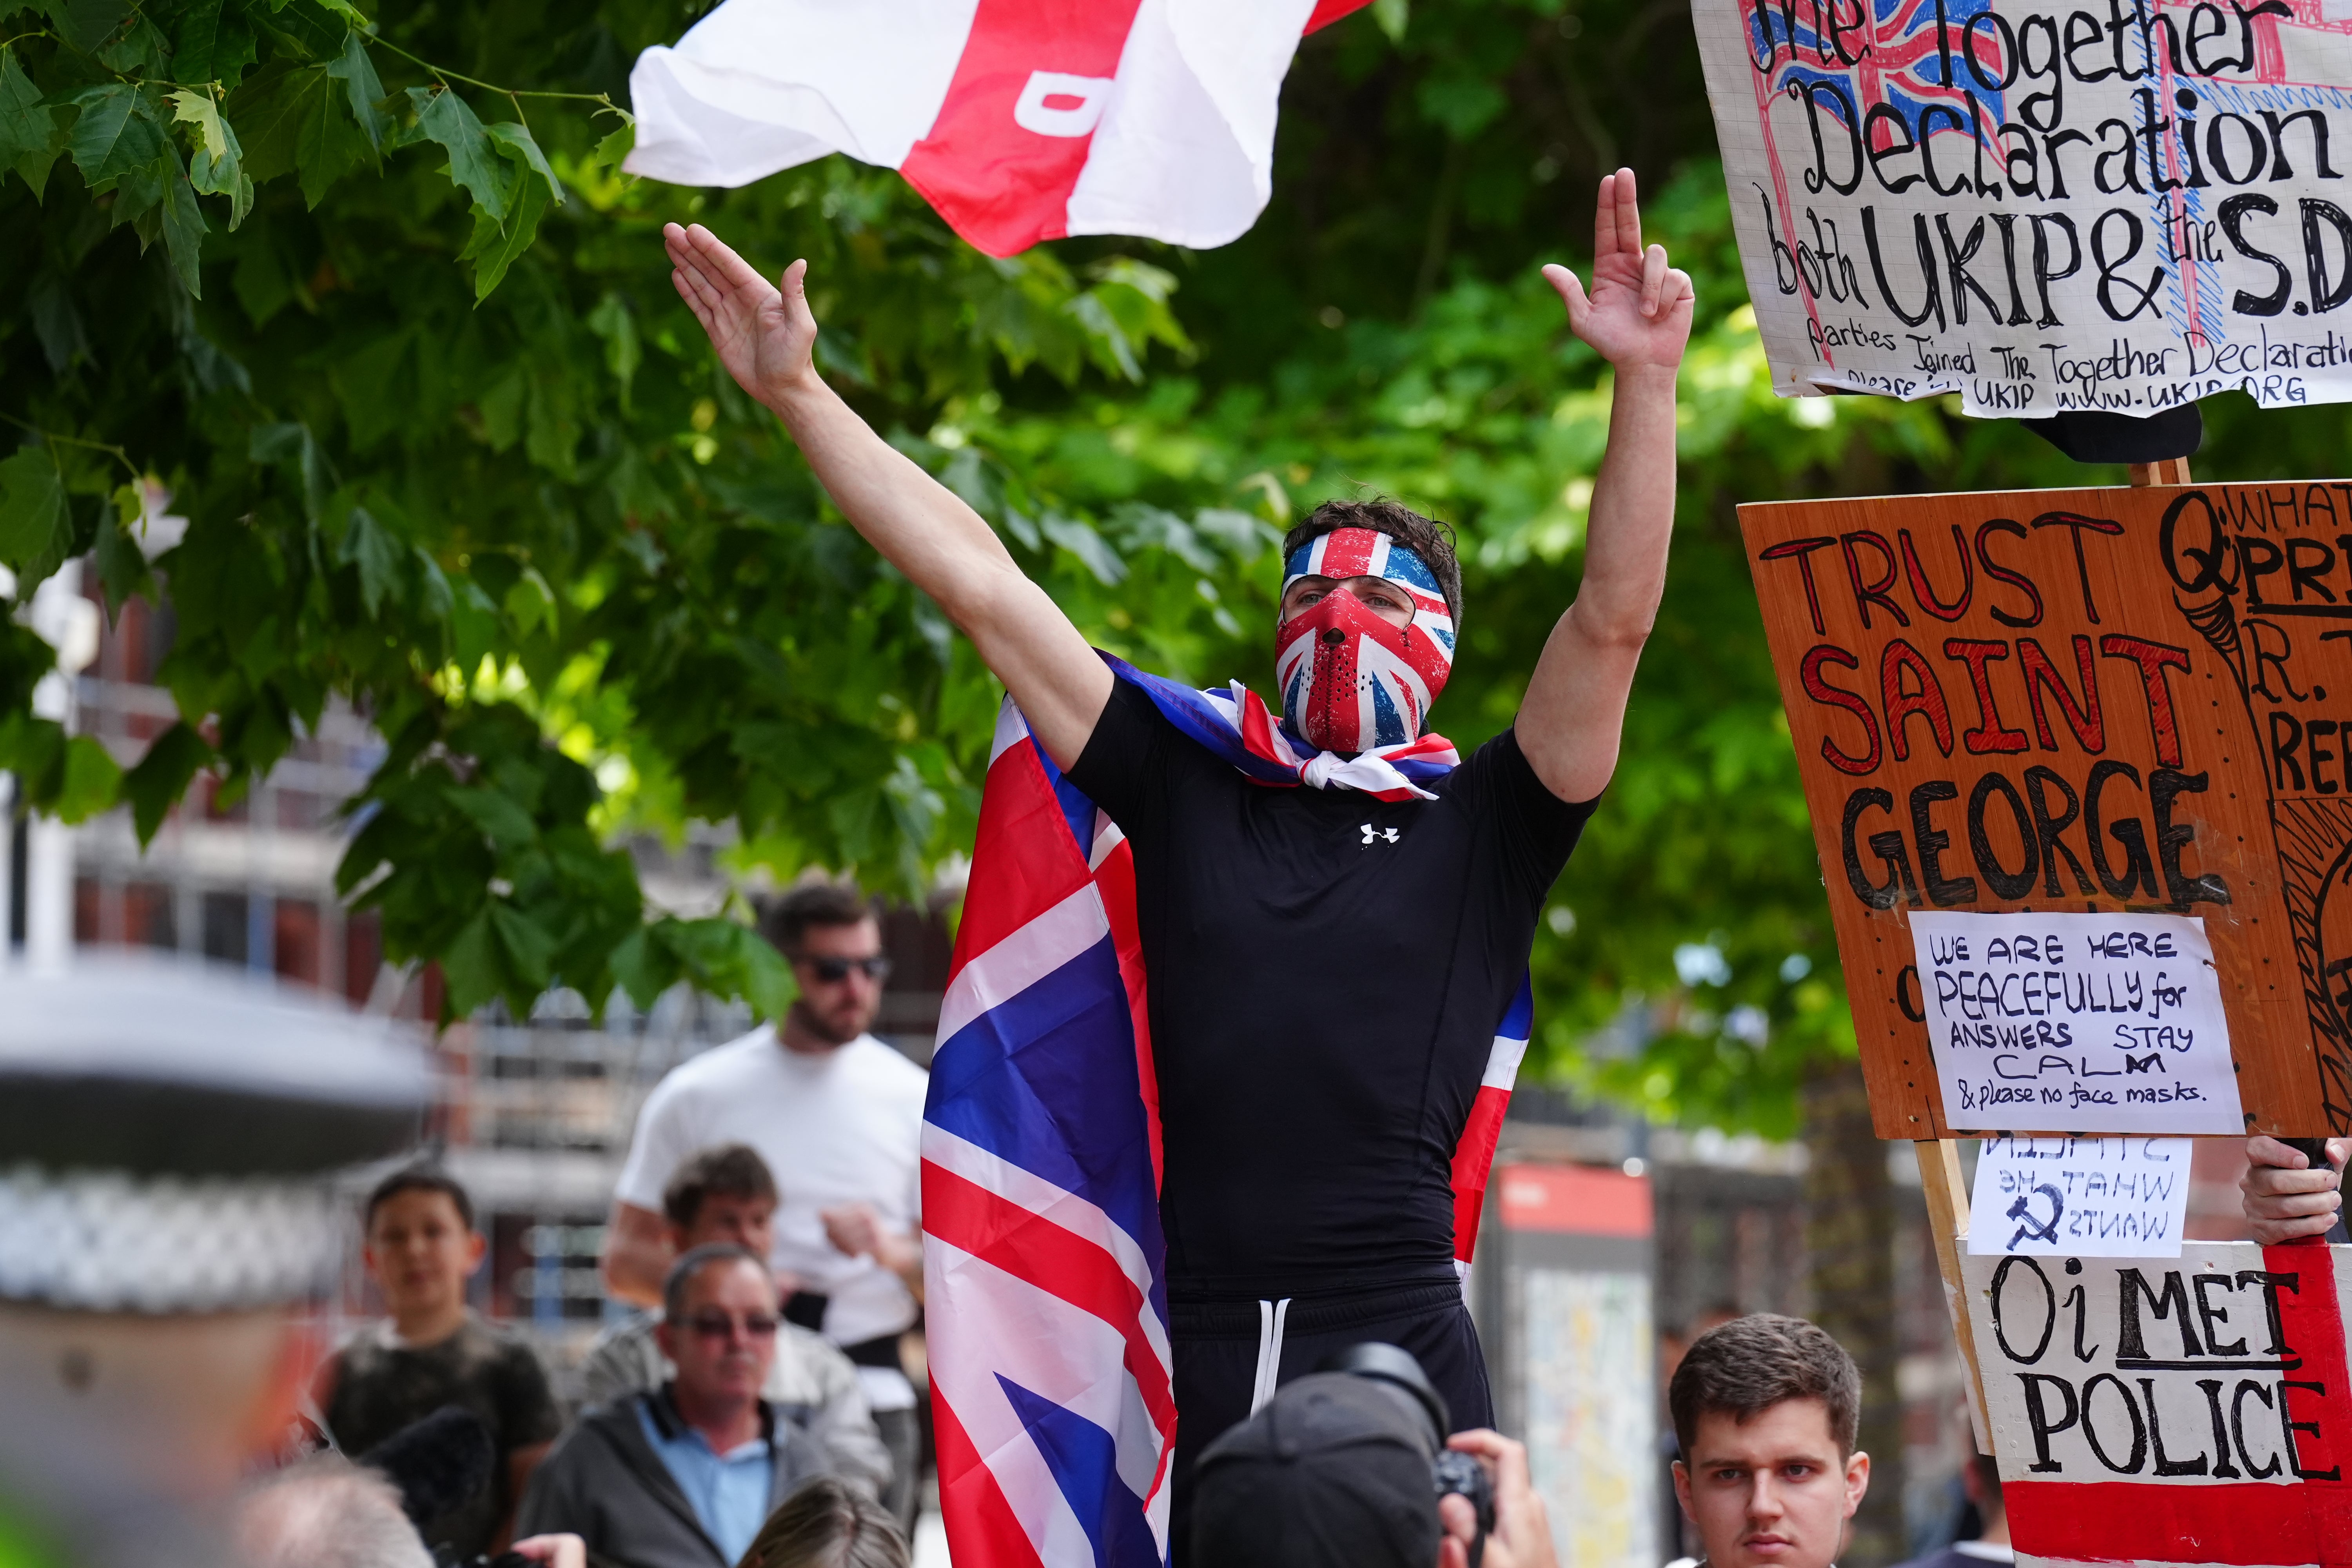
(1347, 553)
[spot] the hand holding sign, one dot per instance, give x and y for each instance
(2287, 1195)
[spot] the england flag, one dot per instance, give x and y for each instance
(1018, 120)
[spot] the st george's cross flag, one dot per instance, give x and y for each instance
(1018, 120)
(1051, 1369)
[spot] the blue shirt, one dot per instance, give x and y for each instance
(729, 1491)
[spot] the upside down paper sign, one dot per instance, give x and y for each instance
(2083, 1197)
(1018, 120)
(2043, 205)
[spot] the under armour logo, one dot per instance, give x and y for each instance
(1371, 833)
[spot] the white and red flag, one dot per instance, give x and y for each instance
(1018, 120)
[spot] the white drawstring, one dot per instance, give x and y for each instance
(1270, 1316)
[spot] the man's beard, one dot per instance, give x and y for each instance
(809, 1020)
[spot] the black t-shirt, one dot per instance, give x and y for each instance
(1327, 974)
(372, 1388)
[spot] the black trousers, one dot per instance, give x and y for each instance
(1217, 1347)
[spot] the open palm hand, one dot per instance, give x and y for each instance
(1638, 313)
(765, 335)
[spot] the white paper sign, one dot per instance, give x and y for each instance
(2168, 1410)
(2042, 206)
(2081, 1197)
(2093, 1022)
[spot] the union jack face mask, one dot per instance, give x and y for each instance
(1350, 680)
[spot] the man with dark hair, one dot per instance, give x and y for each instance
(432, 1350)
(725, 1195)
(1331, 961)
(786, 921)
(1433, 540)
(684, 1475)
(1675, 1536)
(1766, 1409)
(726, 1178)
(836, 1116)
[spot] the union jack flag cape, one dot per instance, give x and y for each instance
(1050, 1366)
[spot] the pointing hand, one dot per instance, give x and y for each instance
(1638, 313)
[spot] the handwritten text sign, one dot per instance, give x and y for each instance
(2111, 1022)
(2189, 1411)
(2090, 1198)
(2126, 205)
(2110, 703)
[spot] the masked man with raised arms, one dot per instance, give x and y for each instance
(1329, 964)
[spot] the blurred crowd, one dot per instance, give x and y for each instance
(752, 1408)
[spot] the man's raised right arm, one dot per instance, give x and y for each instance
(766, 336)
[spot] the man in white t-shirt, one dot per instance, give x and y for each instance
(838, 1117)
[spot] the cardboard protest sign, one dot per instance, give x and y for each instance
(2187, 1411)
(2111, 1022)
(2083, 1197)
(2111, 702)
(2043, 205)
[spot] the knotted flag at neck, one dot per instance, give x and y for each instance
(1236, 724)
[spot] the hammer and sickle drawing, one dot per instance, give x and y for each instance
(2039, 1231)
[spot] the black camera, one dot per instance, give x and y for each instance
(1451, 1474)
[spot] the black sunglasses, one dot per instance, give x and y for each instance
(833, 971)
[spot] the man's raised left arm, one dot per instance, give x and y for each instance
(1638, 316)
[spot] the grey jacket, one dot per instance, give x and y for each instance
(605, 1483)
(812, 1384)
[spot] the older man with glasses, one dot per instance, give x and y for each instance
(684, 1477)
(837, 1115)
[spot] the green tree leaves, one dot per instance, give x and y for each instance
(156, 783)
(87, 25)
(474, 165)
(214, 43)
(531, 187)
(29, 133)
(36, 525)
(612, 320)
(184, 225)
(117, 135)
(215, 164)
(381, 557)
(361, 91)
